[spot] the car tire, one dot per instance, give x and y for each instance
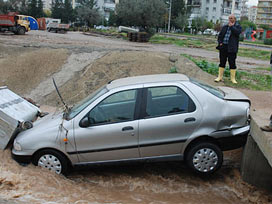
(52, 160)
(204, 158)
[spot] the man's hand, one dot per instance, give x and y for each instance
(231, 23)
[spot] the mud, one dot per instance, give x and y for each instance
(79, 67)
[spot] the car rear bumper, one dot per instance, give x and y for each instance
(232, 139)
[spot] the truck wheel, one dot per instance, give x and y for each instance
(51, 160)
(204, 158)
(21, 31)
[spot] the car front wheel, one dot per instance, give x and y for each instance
(204, 158)
(51, 160)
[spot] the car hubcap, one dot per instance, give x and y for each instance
(205, 160)
(50, 162)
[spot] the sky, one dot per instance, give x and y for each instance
(252, 2)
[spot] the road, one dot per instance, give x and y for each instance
(78, 42)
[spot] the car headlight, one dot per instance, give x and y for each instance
(17, 146)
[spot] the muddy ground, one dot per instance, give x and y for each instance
(80, 64)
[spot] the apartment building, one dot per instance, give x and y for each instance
(244, 8)
(105, 7)
(252, 14)
(264, 12)
(214, 10)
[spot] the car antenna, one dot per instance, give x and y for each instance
(66, 107)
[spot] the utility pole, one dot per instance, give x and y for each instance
(169, 16)
(232, 6)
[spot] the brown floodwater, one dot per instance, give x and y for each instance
(154, 183)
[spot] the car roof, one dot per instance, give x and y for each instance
(156, 78)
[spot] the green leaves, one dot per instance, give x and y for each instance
(142, 13)
(248, 80)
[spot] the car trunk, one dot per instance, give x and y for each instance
(14, 112)
(234, 95)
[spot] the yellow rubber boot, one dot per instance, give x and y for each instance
(232, 76)
(220, 74)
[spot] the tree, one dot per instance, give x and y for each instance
(206, 25)
(179, 11)
(57, 9)
(4, 7)
(9, 6)
(265, 27)
(181, 21)
(142, 13)
(68, 12)
(40, 12)
(197, 24)
(217, 26)
(113, 19)
(247, 24)
(32, 8)
(87, 13)
(24, 7)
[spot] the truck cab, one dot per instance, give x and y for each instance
(18, 24)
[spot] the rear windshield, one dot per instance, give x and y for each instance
(213, 90)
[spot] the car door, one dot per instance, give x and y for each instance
(113, 130)
(169, 118)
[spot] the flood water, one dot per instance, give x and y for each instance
(131, 183)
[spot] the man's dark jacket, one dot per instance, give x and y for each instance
(236, 29)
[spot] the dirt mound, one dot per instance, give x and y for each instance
(23, 71)
(189, 68)
(112, 66)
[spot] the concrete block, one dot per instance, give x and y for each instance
(255, 168)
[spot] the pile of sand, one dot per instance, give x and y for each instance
(23, 71)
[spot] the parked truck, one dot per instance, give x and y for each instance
(58, 27)
(14, 23)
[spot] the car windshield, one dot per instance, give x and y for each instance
(213, 90)
(85, 102)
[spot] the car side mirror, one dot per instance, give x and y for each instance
(86, 122)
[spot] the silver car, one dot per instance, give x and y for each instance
(152, 117)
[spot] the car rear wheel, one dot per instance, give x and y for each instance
(51, 160)
(204, 158)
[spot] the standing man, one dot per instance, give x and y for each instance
(228, 42)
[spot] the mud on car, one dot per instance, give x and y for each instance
(151, 117)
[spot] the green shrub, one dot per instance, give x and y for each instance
(268, 41)
(241, 38)
(173, 70)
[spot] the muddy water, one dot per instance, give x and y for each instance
(134, 183)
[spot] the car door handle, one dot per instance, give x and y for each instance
(127, 128)
(189, 120)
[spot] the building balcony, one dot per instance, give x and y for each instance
(109, 6)
(236, 1)
(194, 3)
(264, 12)
(264, 18)
(227, 11)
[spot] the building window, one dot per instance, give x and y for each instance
(214, 1)
(214, 9)
(208, 1)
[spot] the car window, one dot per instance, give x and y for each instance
(86, 102)
(162, 101)
(118, 107)
(213, 90)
